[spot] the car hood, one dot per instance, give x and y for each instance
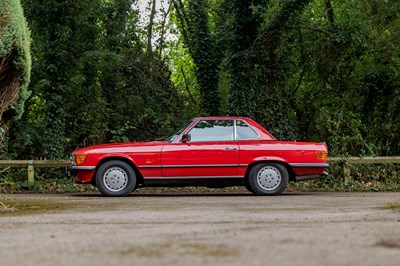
(122, 146)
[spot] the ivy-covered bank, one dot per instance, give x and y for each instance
(15, 63)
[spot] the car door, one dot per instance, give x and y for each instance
(211, 152)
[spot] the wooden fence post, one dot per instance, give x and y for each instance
(346, 171)
(31, 172)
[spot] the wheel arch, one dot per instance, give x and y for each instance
(139, 175)
(292, 175)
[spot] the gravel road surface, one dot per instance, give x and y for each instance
(201, 229)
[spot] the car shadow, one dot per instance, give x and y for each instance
(189, 194)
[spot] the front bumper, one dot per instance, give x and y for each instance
(73, 170)
(82, 174)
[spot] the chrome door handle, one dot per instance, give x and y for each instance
(231, 149)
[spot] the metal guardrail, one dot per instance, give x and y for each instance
(345, 161)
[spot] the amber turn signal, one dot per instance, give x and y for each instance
(322, 155)
(80, 159)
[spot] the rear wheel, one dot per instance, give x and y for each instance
(268, 179)
(115, 179)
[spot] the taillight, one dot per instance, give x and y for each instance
(322, 155)
(80, 159)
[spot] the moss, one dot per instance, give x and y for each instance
(15, 60)
(191, 249)
(10, 207)
(392, 206)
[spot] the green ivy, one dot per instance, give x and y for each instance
(15, 63)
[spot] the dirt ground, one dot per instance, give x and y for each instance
(202, 229)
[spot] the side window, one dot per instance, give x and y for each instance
(244, 131)
(212, 130)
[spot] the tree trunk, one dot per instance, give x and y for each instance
(163, 27)
(150, 27)
(329, 12)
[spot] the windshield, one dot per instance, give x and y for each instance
(177, 133)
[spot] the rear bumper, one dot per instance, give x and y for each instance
(308, 171)
(309, 177)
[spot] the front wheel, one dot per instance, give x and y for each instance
(115, 179)
(268, 179)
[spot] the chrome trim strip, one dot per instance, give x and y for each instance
(234, 130)
(83, 168)
(190, 177)
(310, 165)
(150, 166)
(189, 166)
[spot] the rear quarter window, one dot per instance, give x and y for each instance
(244, 131)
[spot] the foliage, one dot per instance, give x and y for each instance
(257, 61)
(201, 44)
(93, 81)
(349, 90)
(183, 73)
(15, 62)
(14, 183)
(363, 178)
(319, 70)
(241, 58)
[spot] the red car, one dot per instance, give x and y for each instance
(208, 151)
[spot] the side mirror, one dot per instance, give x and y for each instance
(186, 137)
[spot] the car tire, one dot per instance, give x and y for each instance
(268, 179)
(115, 179)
